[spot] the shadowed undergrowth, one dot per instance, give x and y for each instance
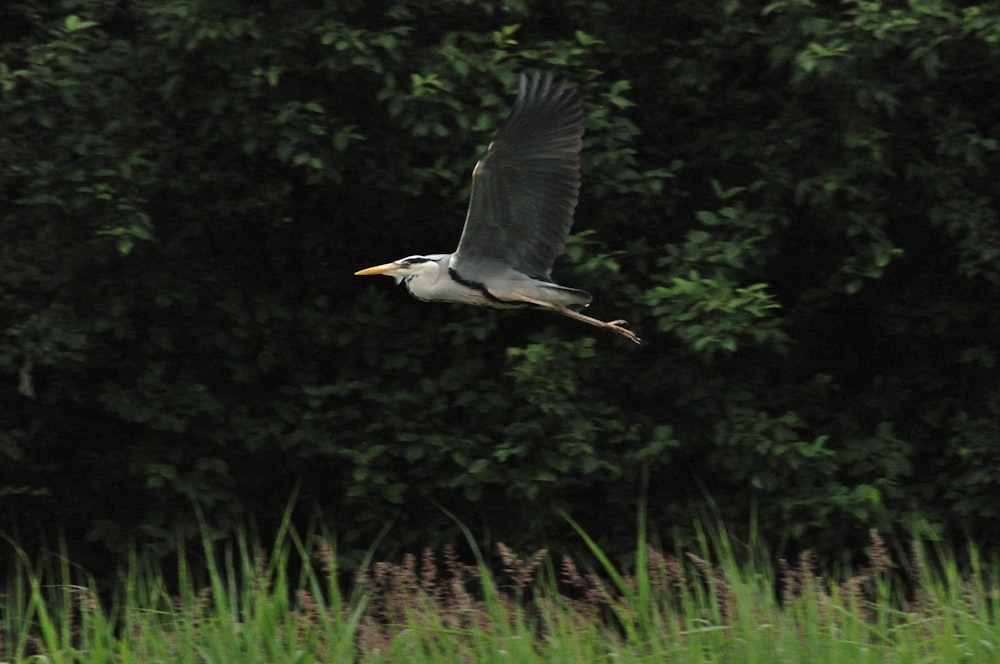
(717, 603)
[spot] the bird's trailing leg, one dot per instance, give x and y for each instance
(616, 326)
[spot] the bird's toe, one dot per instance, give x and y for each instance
(621, 327)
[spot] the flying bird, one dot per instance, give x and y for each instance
(524, 192)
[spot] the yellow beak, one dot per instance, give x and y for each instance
(378, 269)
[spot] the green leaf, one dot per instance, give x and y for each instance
(74, 23)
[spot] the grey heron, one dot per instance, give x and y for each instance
(524, 193)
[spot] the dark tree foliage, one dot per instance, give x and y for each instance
(795, 204)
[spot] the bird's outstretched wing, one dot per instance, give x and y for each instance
(524, 190)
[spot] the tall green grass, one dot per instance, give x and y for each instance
(719, 602)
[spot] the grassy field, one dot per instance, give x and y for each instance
(715, 604)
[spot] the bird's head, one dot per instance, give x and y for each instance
(404, 268)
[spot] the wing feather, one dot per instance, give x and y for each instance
(524, 190)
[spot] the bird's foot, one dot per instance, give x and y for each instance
(621, 327)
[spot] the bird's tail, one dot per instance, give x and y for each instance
(572, 298)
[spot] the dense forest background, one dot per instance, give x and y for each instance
(793, 203)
